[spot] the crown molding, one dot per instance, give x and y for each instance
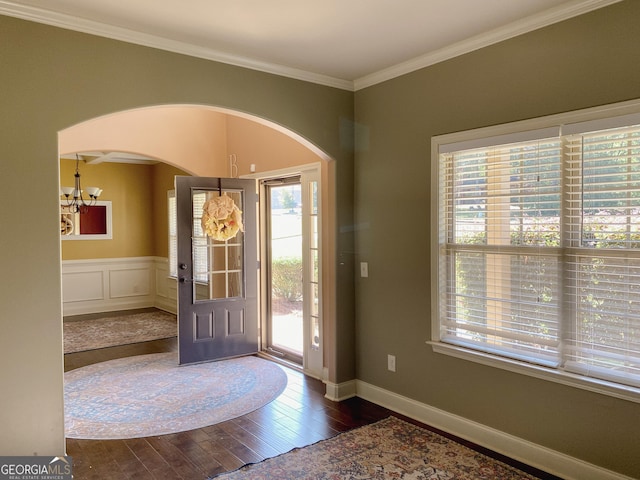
(525, 25)
(528, 24)
(69, 22)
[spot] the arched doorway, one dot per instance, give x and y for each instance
(205, 141)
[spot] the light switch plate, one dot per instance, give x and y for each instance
(391, 363)
(364, 269)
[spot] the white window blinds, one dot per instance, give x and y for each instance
(173, 233)
(603, 240)
(200, 258)
(501, 255)
(200, 247)
(539, 250)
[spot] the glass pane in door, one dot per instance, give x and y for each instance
(217, 265)
(314, 263)
(285, 217)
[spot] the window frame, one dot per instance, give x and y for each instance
(564, 124)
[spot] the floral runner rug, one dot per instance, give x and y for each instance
(388, 449)
(115, 330)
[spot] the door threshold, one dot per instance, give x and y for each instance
(275, 358)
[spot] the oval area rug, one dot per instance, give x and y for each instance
(150, 395)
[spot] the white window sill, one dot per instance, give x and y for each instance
(594, 385)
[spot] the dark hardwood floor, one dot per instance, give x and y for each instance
(299, 417)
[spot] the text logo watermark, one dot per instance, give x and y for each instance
(36, 468)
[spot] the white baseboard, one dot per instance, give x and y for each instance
(550, 461)
(101, 307)
(337, 392)
(166, 304)
(166, 297)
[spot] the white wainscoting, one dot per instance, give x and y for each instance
(106, 285)
(166, 287)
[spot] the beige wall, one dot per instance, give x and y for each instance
(266, 148)
(53, 79)
(188, 136)
(587, 61)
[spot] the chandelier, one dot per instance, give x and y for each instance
(73, 195)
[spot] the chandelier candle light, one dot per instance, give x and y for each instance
(75, 201)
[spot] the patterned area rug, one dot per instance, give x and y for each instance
(104, 332)
(150, 395)
(389, 449)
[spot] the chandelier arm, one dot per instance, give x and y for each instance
(74, 199)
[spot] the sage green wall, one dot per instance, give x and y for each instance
(583, 62)
(51, 79)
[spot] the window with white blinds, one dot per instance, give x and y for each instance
(539, 248)
(200, 260)
(603, 254)
(173, 233)
(202, 264)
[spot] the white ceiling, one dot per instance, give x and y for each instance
(348, 44)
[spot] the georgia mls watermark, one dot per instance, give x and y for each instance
(36, 468)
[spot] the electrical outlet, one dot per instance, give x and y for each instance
(391, 363)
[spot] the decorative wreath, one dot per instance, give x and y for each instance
(66, 225)
(221, 218)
